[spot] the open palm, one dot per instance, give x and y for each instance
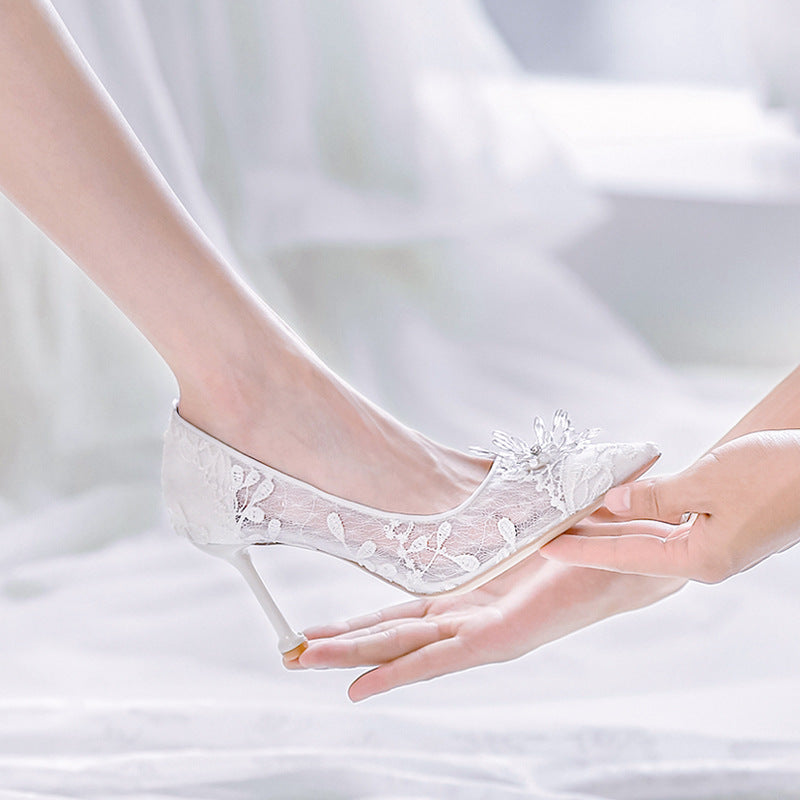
(531, 604)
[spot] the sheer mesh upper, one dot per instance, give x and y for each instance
(216, 495)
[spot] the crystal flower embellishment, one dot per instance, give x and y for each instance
(519, 461)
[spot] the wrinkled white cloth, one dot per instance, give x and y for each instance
(376, 177)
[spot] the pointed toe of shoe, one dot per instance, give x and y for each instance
(625, 462)
(590, 473)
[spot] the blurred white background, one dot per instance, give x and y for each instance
(681, 115)
(650, 40)
(476, 213)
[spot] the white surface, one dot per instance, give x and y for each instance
(702, 281)
(136, 667)
(700, 247)
(673, 141)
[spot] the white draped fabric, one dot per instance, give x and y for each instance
(373, 170)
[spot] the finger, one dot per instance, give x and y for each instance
(643, 554)
(617, 527)
(292, 663)
(436, 659)
(446, 616)
(386, 625)
(372, 629)
(376, 648)
(413, 608)
(602, 514)
(665, 499)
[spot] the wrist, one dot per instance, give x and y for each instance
(779, 410)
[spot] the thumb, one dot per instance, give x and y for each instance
(665, 499)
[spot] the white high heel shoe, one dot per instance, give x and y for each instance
(225, 501)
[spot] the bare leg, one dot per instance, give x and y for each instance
(69, 160)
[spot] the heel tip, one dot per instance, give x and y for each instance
(295, 652)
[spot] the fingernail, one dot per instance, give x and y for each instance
(618, 500)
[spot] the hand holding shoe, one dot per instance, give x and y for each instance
(744, 498)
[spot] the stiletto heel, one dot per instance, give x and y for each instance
(223, 501)
(290, 643)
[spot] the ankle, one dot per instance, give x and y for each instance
(251, 361)
(236, 391)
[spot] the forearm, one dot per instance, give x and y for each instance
(779, 410)
(72, 164)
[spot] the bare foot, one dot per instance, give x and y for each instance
(303, 420)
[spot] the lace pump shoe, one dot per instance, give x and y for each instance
(224, 502)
